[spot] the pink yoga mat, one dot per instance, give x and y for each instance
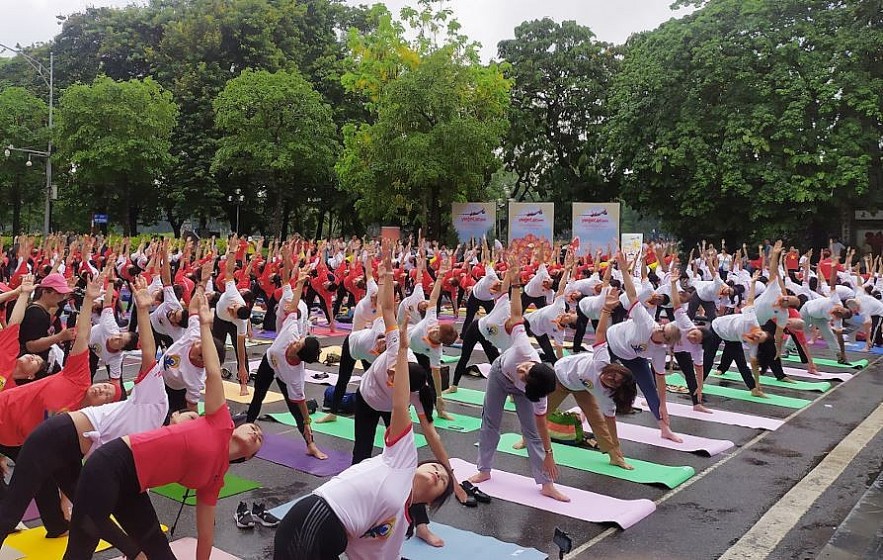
(650, 436)
(584, 505)
(186, 548)
(719, 416)
(798, 372)
(325, 331)
(330, 380)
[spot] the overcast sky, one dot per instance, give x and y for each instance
(485, 21)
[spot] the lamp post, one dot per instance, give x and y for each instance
(48, 77)
(238, 198)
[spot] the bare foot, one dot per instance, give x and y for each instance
(429, 537)
(758, 392)
(316, 452)
(700, 408)
(327, 418)
(450, 390)
(243, 390)
(552, 492)
(480, 477)
(787, 380)
(620, 462)
(445, 416)
(666, 433)
(519, 444)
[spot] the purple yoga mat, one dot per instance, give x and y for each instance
(291, 452)
(650, 436)
(719, 416)
(32, 512)
(584, 505)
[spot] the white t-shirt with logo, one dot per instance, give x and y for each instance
(376, 385)
(159, 318)
(519, 352)
(420, 343)
(290, 374)
(493, 325)
(370, 499)
(630, 339)
(178, 371)
(582, 372)
(302, 310)
(362, 343)
(542, 322)
(482, 289)
(411, 303)
(231, 296)
(98, 336)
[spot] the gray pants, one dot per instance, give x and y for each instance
(498, 388)
(824, 327)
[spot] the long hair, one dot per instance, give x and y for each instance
(624, 395)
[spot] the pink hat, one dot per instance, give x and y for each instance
(56, 281)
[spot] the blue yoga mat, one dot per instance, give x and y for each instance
(463, 544)
(860, 347)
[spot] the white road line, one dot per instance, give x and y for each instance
(761, 540)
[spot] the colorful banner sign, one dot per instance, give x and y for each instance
(595, 226)
(631, 243)
(531, 223)
(473, 219)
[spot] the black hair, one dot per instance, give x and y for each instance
(540, 381)
(310, 351)
(179, 291)
(814, 283)
(437, 503)
(248, 296)
(614, 283)
(133, 342)
(185, 317)
(243, 312)
(421, 384)
(666, 300)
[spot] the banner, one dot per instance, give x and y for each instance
(531, 223)
(595, 226)
(631, 244)
(473, 219)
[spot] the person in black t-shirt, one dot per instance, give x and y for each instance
(40, 328)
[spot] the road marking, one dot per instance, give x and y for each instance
(761, 540)
(613, 530)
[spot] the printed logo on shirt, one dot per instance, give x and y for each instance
(639, 348)
(587, 383)
(273, 362)
(171, 361)
(382, 531)
(95, 348)
(493, 330)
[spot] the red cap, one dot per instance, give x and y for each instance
(57, 282)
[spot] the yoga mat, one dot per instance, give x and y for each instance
(770, 381)
(233, 485)
(599, 463)
(34, 544)
(718, 416)
(266, 335)
(798, 372)
(460, 423)
(186, 548)
(857, 364)
(325, 331)
(335, 350)
(343, 427)
(9, 553)
(677, 380)
(471, 396)
(32, 512)
(291, 452)
(583, 505)
(447, 359)
(330, 380)
(650, 436)
(280, 511)
(861, 347)
(463, 544)
(231, 393)
(252, 343)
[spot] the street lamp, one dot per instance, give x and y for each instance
(238, 198)
(48, 77)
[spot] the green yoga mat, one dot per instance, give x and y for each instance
(766, 380)
(446, 359)
(343, 427)
(599, 463)
(460, 423)
(740, 394)
(232, 485)
(832, 363)
(471, 396)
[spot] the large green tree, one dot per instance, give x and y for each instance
(436, 118)
(118, 136)
(278, 135)
(23, 123)
(556, 139)
(752, 117)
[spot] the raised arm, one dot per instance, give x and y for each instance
(24, 297)
(627, 282)
(145, 331)
(214, 386)
(401, 387)
(84, 320)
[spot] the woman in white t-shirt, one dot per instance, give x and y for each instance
(107, 341)
(363, 510)
(599, 387)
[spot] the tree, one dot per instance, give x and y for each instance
(436, 119)
(750, 117)
(556, 139)
(23, 123)
(118, 135)
(279, 132)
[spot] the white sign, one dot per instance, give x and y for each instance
(630, 244)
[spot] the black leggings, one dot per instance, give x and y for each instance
(344, 374)
(109, 485)
(539, 302)
(310, 299)
(472, 306)
(685, 362)
(366, 426)
(263, 380)
(696, 302)
(582, 321)
(472, 337)
(221, 329)
(310, 531)
(733, 352)
(51, 457)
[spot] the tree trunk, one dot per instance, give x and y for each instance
(175, 223)
(16, 207)
(320, 221)
(284, 221)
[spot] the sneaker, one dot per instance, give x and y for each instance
(263, 516)
(243, 517)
